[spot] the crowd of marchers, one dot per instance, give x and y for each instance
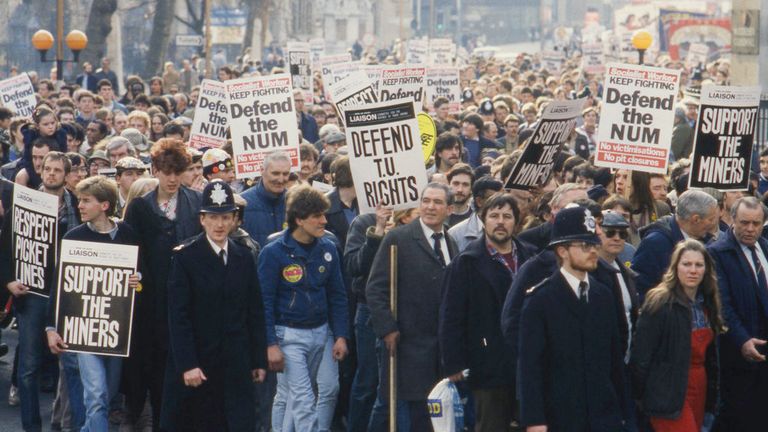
(602, 300)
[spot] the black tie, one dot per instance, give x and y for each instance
(438, 250)
(223, 256)
(759, 271)
(583, 292)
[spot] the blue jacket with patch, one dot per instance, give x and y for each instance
(302, 288)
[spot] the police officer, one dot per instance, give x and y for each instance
(216, 323)
(570, 368)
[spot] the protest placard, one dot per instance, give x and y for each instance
(262, 119)
(354, 90)
(374, 73)
(18, 95)
(698, 54)
(35, 237)
(316, 51)
(417, 52)
(441, 52)
(94, 302)
(325, 70)
(637, 118)
(209, 127)
(592, 58)
(534, 166)
(725, 133)
(428, 135)
(401, 82)
(385, 154)
(443, 82)
(339, 71)
(300, 67)
(552, 60)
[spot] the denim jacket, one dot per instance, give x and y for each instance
(302, 289)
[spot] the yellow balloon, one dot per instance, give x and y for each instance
(428, 134)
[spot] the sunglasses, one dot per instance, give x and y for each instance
(612, 232)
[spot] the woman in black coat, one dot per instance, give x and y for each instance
(675, 370)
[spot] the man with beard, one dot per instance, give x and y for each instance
(447, 152)
(470, 313)
(31, 308)
(460, 178)
(570, 368)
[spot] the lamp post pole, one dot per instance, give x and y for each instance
(60, 40)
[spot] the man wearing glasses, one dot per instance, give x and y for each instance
(570, 371)
(621, 281)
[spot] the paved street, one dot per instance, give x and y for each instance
(10, 419)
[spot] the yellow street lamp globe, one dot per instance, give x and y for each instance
(76, 40)
(642, 40)
(42, 40)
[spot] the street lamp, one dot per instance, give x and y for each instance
(43, 40)
(641, 40)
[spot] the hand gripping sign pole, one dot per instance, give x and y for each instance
(393, 353)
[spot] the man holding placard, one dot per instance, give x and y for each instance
(39, 224)
(100, 366)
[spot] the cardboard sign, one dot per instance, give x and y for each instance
(353, 91)
(94, 302)
(417, 52)
(209, 127)
(262, 119)
(35, 238)
(725, 134)
(592, 58)
(18, 95)
(402, 82)
(534, 166)
(443, 82)
(325, 70)
(637, 118)
(300, 67)
(385, 154)
(441, 52)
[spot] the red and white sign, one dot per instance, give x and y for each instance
(637, 118)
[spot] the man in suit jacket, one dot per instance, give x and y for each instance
(424, 251)
(570, 369)
(740, 260)
(216, 322)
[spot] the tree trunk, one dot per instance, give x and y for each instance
(253, 10)
(98, 29)
(160, 37)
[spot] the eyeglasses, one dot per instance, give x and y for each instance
(585, 247)
(612, 232)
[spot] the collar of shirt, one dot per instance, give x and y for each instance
(217, 248)
(443, 241)
(573, 281)
(112, 233)
(496, 255)
(699, 318)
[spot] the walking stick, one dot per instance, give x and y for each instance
(392, 355)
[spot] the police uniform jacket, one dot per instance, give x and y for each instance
(570, 373)
(216, 323)
(607, 274)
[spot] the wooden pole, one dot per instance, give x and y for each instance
(392, 354)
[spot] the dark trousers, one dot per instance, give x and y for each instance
(744, 395)
(202, 410)
(494, 409)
